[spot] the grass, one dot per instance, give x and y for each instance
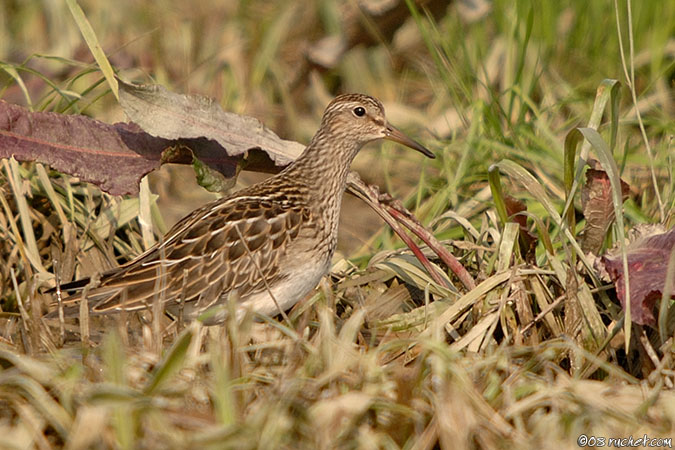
(538, 354)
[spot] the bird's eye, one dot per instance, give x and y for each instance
(360, 111)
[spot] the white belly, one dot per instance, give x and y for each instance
(294, 288)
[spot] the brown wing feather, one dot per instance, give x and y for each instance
(203, 255)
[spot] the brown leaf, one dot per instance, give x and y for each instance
(596, 201)
(648, 257)
(513, 207)
(528, 240)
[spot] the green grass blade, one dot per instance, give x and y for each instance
(495, 182)
(604, 154)
(93, 44)
(527, 180)
(571, 142)
(271, 41)
(12, 72)
(172, 362)
(609, 90)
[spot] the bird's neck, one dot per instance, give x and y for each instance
(321, 171)
(324, 165)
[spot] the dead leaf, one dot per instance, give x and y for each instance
(648, 257)
(528, 240)
(169, 115)
(596, 201)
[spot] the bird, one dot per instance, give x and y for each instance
(267, 245)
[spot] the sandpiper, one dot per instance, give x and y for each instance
(268, 245)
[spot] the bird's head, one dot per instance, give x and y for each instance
(361, 117)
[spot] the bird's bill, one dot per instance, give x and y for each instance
(396, 135)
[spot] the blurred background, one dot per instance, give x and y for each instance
(474, 80)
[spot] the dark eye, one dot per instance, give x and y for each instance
(360, 111)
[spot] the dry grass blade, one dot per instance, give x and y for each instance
(470, 298)
(15, 181)
(37, 396)
(146, 199)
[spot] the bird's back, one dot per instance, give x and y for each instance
(239, 243)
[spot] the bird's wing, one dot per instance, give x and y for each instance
(204, 255)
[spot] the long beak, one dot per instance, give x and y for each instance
(396, 135)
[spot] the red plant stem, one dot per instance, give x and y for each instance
(394, 213)
(411, 222)
(391, 221)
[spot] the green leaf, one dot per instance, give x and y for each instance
(497, 194)
(210, 179)
(172, 363)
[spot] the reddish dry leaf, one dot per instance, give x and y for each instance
(596, 201)
(648, 259)
(513, 207)
(114, 157)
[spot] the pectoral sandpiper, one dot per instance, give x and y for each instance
(268, 244)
